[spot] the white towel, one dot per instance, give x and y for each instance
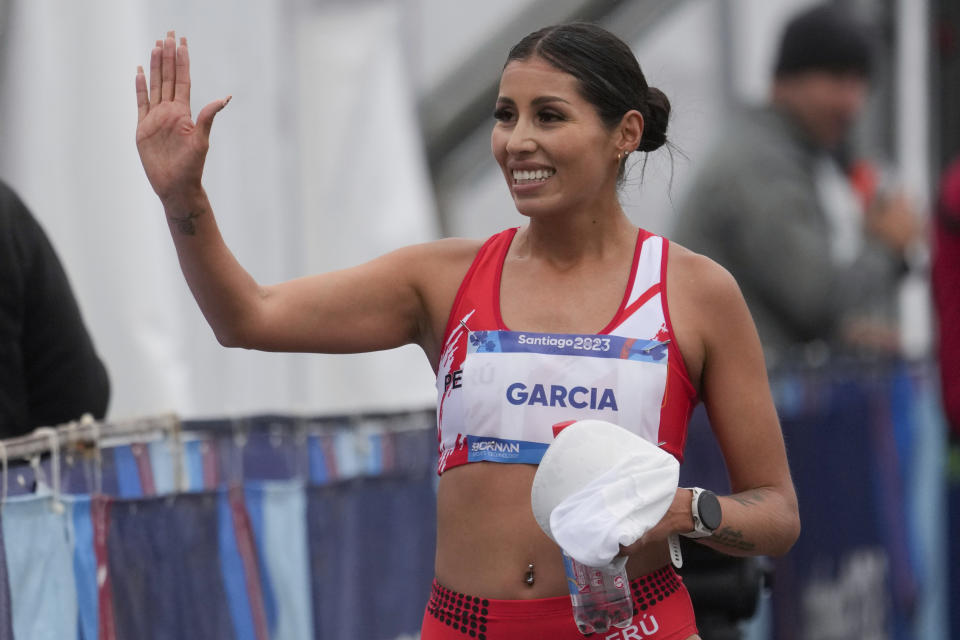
(599, 486)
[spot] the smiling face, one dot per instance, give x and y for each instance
(555, 152)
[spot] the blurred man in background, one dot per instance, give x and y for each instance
(49, 371)
(773, 205)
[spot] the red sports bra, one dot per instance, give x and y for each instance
(499, 392)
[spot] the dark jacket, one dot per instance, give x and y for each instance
(49, 371)
(754, 208)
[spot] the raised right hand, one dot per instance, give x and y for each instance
(172, 147)
(893, 220)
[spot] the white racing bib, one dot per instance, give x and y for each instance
(517, 385)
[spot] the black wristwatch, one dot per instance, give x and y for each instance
(706, 513)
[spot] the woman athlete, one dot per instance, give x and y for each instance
(645, 330)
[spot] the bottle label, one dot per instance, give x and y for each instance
(578, 576)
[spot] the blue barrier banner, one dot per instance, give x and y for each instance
(839, 575)
(241, 567)
(165, 570)
(372, 544)
(80, 536)
(253, 503)
(39, 567)
(278, 510)
(863, 452)
(6, 608)
(324, 528)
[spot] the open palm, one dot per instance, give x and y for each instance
(172, 147)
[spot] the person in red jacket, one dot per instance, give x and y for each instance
(946, 291)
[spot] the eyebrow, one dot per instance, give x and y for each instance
(535, 102)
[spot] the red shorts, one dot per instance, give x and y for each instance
(662, 611)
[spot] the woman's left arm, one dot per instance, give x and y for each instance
(761, 516)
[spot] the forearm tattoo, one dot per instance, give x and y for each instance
(732, 538)
(185, 223)
(749, 498)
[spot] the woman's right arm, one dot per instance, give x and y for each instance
(377, 305)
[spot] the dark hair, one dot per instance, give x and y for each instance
(609, 75)
(826, 37)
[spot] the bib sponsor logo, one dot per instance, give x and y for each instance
(496, 446)
(556, 395)
(503, 450)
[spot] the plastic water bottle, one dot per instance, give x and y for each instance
(600, 596)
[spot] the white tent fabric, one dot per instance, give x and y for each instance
(315, 164)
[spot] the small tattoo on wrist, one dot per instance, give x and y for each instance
(185, 223)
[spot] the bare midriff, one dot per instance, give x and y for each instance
(487, 536)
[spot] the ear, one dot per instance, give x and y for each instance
(628, 133)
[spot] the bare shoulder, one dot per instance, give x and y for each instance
(438, 268)
(706, 307)
(448, 249)
(697, 276)
(433, 262)
(436, 252)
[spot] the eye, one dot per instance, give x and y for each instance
(503, 114)
(550, 116)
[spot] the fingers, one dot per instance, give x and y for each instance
(143, 100)
(168, 67)
(169, 77)
(205, 118)
(155, 73)
(182, 86)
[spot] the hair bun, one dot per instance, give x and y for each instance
(655, 116)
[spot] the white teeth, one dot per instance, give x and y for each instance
(539, 174)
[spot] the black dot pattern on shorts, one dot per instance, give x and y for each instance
(654, 587)
(466, 614)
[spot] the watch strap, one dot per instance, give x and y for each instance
(676, 557)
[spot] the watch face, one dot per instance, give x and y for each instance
(708, 506)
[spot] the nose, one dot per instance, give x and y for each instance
(853, 95)
(521, 139)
